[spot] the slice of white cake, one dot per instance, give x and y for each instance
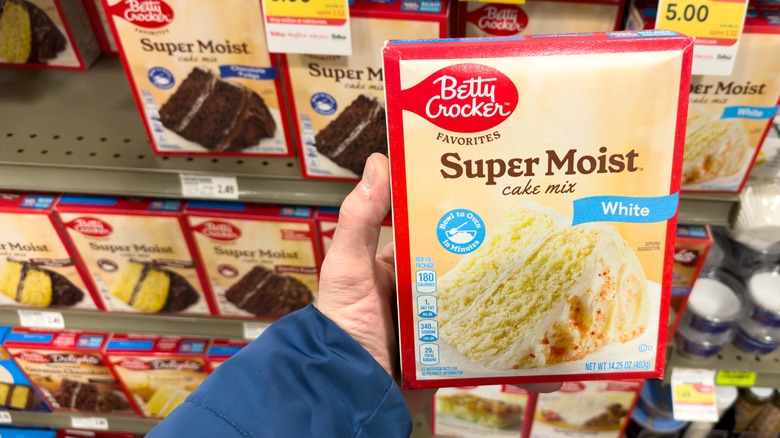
(552, 297)
(714, 148)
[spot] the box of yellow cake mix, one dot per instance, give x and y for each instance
(492, 411)
(258, 260)
(221, 350)
(69, 369)
(327, 219)
(202, 76)
(158, 372)
(136, 253)
(37, 268)
(586, 409)
(526, 252)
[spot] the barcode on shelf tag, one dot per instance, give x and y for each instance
(96, 423)
(211, 187)
(5, 417)
(39, 319)
(252, 330)
(693, 395)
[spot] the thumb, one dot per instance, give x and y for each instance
(362, 213)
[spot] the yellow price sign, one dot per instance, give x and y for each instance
(712, 22)
(306, 12)
(694, 394)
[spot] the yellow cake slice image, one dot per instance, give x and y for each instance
(32, 285)
(554, 297)
(149, 288)
(496, 414)
(165, 400)
(714, 148)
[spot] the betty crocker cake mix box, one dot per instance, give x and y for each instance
(202, 76)
(525, 251)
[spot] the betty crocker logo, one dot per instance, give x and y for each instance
(218, 230)
(151, 14)
(499, 20)
(90, 226)
(463, 98)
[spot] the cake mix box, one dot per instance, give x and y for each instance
(16, 391)
(99, 19)
(37, 269)
(221, 350)
(259, 261)
(328, 218)
(586, 409)
(526, 252)
(69, 369)
(729, 116)
(337, 102)
(158, 372)
(690, 251)
(203, 79)
(492, 411)
(534, 17)
(46, 34)
(136, 253)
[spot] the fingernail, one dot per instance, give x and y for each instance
(369, 175)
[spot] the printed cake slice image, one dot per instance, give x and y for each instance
(263, 292)
(148, 288)
(27, 34)
(84, 396)
(497, 414)
(714, 147)
(219, 115)
(31, 285)
(357, 132)
(578, 290)
(165, 400)
(20, 397)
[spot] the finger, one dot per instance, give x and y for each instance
(362, 212)
(541, 387)
(387, 254)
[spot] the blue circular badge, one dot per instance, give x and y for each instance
(460, 231)
(161, 78)
(323, 103)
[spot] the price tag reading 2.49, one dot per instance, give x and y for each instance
(317, 27)
(716, 24)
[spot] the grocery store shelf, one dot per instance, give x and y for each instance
(80, 132)
(58, 420)
(731, 358)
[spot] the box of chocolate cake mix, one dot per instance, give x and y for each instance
(585, 409)
(136, 254)
(69, 369)
(221, 350)
(729, 116)
(99, 19)
(259, 261)
(158, 372)
(202, 77)
(37, 268)
(337, 102)
(534, 17)
(526, 252)
(328, 217)
(46, 34)
(491, 411)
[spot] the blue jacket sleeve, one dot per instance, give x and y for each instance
(303, 377)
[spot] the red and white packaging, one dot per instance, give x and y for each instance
(97, 16)
(690, 251)
(258, 261)
(68, 367)
(37, 267)
(586, 409)
(526, 252)
(337, 102)
(537, 17)
(493, 411)
(328, 217)
(51, 34)
(136, 253)
(221, 350)
(157, 372)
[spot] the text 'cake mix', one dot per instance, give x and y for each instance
(535, 204)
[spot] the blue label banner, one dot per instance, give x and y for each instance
(624, 209)
(749, 112)
(247, 72)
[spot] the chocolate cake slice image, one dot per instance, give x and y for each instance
(263, 292)
(27, 34)
(356, 133)
(32, 285)
(219, 115)
(84, 396)
(149, 288)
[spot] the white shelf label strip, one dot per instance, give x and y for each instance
(210, 187)
(40, 319)
(5, 417)
(95, 423)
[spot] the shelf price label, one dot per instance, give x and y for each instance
(315, 27)
(693, 395)
(5, 417)
(252, 330)
(209, 187)
(736, 378)
(717, 26)
(94, 423)
(40, 319)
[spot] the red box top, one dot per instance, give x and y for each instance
(245, 210)
(411, 10)
(153, 345)
(26, 202)
(43, 339)
(118, 205)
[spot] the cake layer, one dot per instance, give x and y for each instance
(263, 292)
(149, 288)
(165, 400)
(19, 397)
(85, 396)
(34, 286)
(27, 34)
(487, 412)
(714, 148)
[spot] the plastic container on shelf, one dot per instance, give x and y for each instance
(749, 403)
(693, 344)
(763, 296)
(714, 305)
(755, 338)
(768, 419)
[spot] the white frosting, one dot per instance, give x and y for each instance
(712, 299)
(764, 289)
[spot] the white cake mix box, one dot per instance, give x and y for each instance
(534, 17)
(202, 76)
(586, 409)
(527, 252)
(492, 411)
